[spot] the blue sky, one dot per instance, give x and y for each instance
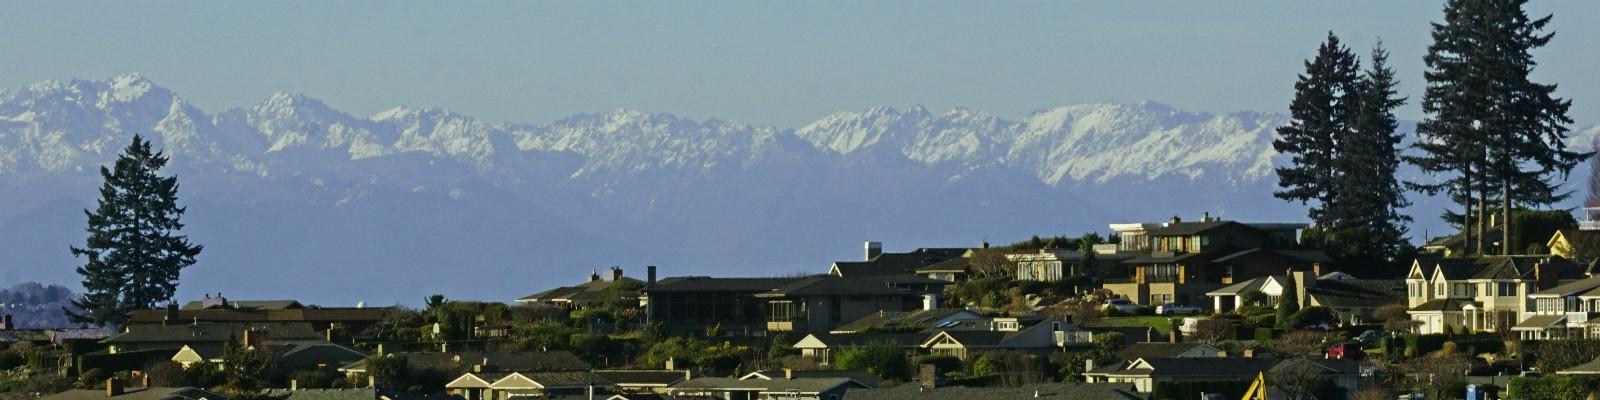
(778, 63)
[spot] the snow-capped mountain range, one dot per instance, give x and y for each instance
(293, 192)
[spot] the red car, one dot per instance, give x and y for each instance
(1345, 349)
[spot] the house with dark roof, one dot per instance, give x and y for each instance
(116, 391)
(456, 363)
(821, 346)
(878, 263)
(1351, 300)
(1179, 262)
(1580, 245)
(587, 294)
(819, 303)
(1567, 311)
(1050, 391)
(906, 321)
(1145, 373)
(794, 387)
(486, 385)
(1481, 294)
(346, 319)
(1006, 334)
(1591, 368)
(861, 378)
(690, 304)
(219, 302)
(1168, 350)
(630, 381)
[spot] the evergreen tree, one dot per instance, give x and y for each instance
(1288, 304)
(1325, 96)
(1498, 134)
(1369, 222)
(134, 252)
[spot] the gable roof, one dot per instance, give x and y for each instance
(725, 285)
(895, 263)
(152, 393)
(246, 304)
(1252, 285)
(588, 291)
(1162, 350)
(1192, 228)
(1056, 391)
(1588, 368)
(1339, 366)
(958, 264)
(214, 332)
(909, 320)
(860, 377)
(461, 362)
(802, 385)
(835, 340)
(1570, 288)
(1193, 368)
(1450, 305)
(654, 377)
(1360, 293)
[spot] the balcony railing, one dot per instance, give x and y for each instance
(1589, 225)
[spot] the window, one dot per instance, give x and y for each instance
(1506, 289)
(1463, 290)
(1441, 290)
(1416, 289)
(781, 311)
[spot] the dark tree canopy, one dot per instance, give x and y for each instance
(134, 253)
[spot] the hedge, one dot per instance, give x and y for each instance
(1552, 388)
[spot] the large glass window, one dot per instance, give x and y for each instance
(1506, 289)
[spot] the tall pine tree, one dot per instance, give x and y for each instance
(134, 251)
(1497, 135)
(1368, 218)
(1325, 97)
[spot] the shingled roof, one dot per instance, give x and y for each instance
(153, 393)
(1059, 391)
(895, 263)
(708, 284)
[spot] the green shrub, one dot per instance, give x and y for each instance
(1263, 334)
(1551, 388)
(10, 359)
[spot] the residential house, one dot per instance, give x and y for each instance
(351, 320)
(1168, 350)
(877, 263)
(820, 303)
(1181, 261)
(787, 388)
(485, 385)
(1580, 245)
(1343, 373)
(1484, 294)
(686, 305)
(861, 378)
(1006, 334)
(1048, 391)
(315, 356)
(460, 362)
(1145, 373)
(630, 381)
(1351, 300)
(589, 293)
(821, 347)
(1567, 311)
(1049, 265)
(195, 342)
(365, 393)
(908, 321)
(115, 390)
(957, 269)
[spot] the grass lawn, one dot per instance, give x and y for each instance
(1154, 321)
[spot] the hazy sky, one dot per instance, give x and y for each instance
(780, 63)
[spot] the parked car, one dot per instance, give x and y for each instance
(1120, 304)
(1345, 350)
(1373, 337)
(1175, 308)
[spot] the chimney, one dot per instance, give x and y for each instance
(1172, 331)
(613, 274)
(1088, 364)
(248, 341)
(144, 380)
(1249, 353)
(113, 387)
(650, 275)
(294, 385)
(172, 314)
(927, 376)
(788, 373)
(1302, 286)
(5, 322)
(327, 335)
(672, 364)
(1316, 269)
(687, 374)
(1222, 354)
(372, 381)
(930, 301)
(1205, 216)
(1538, 276)
(380, 349)
(874, 249)
(1176, 220)
(984, 244)
(593, 276)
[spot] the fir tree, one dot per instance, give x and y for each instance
(1498, 135)
(134, 251)
(1369, 222)
(1324, 98)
